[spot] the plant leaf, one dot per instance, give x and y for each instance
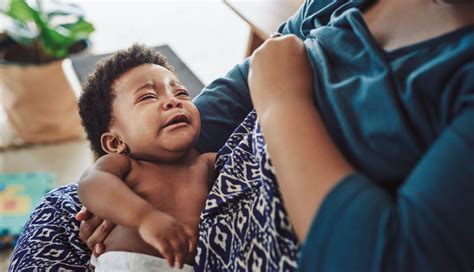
(56, 52)
(56, 43)
(21, 11)
(22, 34)
(55, 38)
(79, 30)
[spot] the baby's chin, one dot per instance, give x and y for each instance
(178, 152)
(178, 142)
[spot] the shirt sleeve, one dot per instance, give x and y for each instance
(427, 226)
(223, 105)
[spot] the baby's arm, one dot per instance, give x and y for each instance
(103, 191)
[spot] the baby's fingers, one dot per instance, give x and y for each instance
(192, 242)
(83, 214)
(192, 238)
(166, 250)
(180, 248)
(96, 240)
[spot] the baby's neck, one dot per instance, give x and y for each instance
(189, 157)
(186, 158)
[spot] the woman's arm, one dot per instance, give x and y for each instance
(306, 161)
(359, 226)
(223, 104)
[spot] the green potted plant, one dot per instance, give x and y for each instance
(39, 97)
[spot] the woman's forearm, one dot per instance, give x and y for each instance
(108, 197)
(306, 161)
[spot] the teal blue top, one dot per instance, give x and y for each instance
(403, 118)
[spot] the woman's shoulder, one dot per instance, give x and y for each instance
(315, 13)
(460, 87)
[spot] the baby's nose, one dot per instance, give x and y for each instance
(172, 103)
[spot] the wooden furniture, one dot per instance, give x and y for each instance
(263, 17)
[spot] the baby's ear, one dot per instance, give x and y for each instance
(112, 144)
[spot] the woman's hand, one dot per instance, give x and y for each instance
(93, 230)
(280, 73)
(174, 240)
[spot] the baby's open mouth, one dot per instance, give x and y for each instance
(178, 118)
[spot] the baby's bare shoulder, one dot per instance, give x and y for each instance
(209, 158)
(116, 164)
(139, 172)
(209, 161)
(113, 159)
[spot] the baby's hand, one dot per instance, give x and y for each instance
(174, 240)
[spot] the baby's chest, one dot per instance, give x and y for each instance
(170, 188)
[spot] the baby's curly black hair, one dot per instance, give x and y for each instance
(95, 103)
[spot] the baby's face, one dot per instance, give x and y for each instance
(153, 114)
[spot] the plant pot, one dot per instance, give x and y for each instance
(40, 101)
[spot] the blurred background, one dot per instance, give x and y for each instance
(206, 35)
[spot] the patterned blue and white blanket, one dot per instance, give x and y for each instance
(50, 240)
(243, 227)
